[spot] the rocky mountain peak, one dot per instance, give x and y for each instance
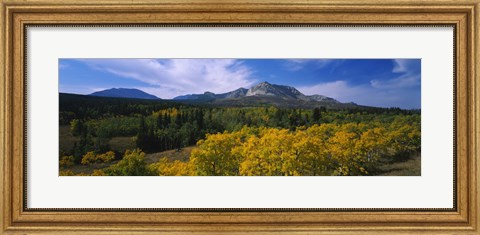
(263, 89)
(267, 89)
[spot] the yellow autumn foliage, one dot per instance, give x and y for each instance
(321, 149)
(166, 167)
(91, 157)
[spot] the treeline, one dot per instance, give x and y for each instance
(84, 107)
(178, 127)
(87, 108)
(322, 149)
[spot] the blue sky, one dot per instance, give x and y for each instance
(374, 82)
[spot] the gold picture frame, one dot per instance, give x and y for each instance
(464, 15)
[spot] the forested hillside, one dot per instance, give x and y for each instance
(113, 136)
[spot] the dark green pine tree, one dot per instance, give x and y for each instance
(316, 115)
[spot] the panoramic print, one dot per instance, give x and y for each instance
(239, 117)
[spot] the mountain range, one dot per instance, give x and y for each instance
(261, 90)
(261, 94)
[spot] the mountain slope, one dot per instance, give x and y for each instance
(124, 93)
(240, 92)
(263, 94)
(263, 89)
(256, 101)
(281, 91)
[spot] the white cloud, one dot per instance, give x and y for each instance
(170, 78)
(339, 90)
(410, 75)
(365, 94)
(294, 64)
(63, 65)
(402, 65)
(400, 82)
(298, 64)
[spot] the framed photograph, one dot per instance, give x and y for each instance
(239, 117)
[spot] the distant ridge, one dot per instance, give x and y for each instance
(240, 92)
(264, 94)
(125, 93)
(263, 89)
